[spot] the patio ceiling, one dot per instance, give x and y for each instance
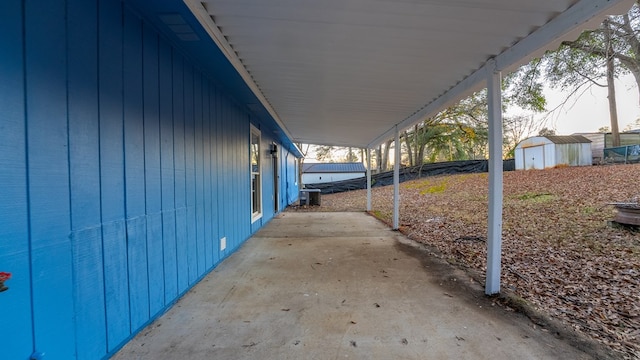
(346, 72)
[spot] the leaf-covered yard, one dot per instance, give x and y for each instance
(558, 253)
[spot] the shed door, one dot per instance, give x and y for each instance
(534, 157)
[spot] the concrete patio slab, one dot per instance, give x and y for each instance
(339, 286)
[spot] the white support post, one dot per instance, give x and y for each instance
(368, 179)
(396, 181)
(494, 236)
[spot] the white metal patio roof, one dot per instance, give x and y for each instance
(346, 72)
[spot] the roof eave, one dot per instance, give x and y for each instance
(567, 25)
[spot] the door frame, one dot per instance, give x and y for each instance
(276, 177)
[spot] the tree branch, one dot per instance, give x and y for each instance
(631, 39)
(626, 60)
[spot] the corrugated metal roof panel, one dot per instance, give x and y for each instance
(333, 168)
(567, 139)
(346, 73)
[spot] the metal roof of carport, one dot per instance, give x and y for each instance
(355, 72)
(346, 72)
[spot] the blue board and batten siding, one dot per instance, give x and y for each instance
(122, 164)
(14, 211)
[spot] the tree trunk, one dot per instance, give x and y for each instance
(613, 112)
(385, 155)
(379, 158)
(611, 90)
(420, 154)
(350, 155)
(407, 141)
(416, 143)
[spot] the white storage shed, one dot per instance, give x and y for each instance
(542, 152)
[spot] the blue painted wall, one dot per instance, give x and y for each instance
(122, 164)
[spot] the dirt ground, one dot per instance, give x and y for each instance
(562, 264)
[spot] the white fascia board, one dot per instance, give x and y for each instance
(569, 24)
(304, 140)
(213, 30)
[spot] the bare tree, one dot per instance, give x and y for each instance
(351, 155)
(634, 125)
(324, 153)
(546, 132)
(516, 129)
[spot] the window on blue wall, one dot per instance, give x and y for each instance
(256, 170)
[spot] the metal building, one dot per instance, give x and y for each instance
(543, 152)
(316, 173)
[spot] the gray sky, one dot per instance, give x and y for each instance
(591, 111)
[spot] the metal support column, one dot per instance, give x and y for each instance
(396, 181)
(494, 236)
(368, 179)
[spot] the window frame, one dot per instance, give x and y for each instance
(256, 194)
